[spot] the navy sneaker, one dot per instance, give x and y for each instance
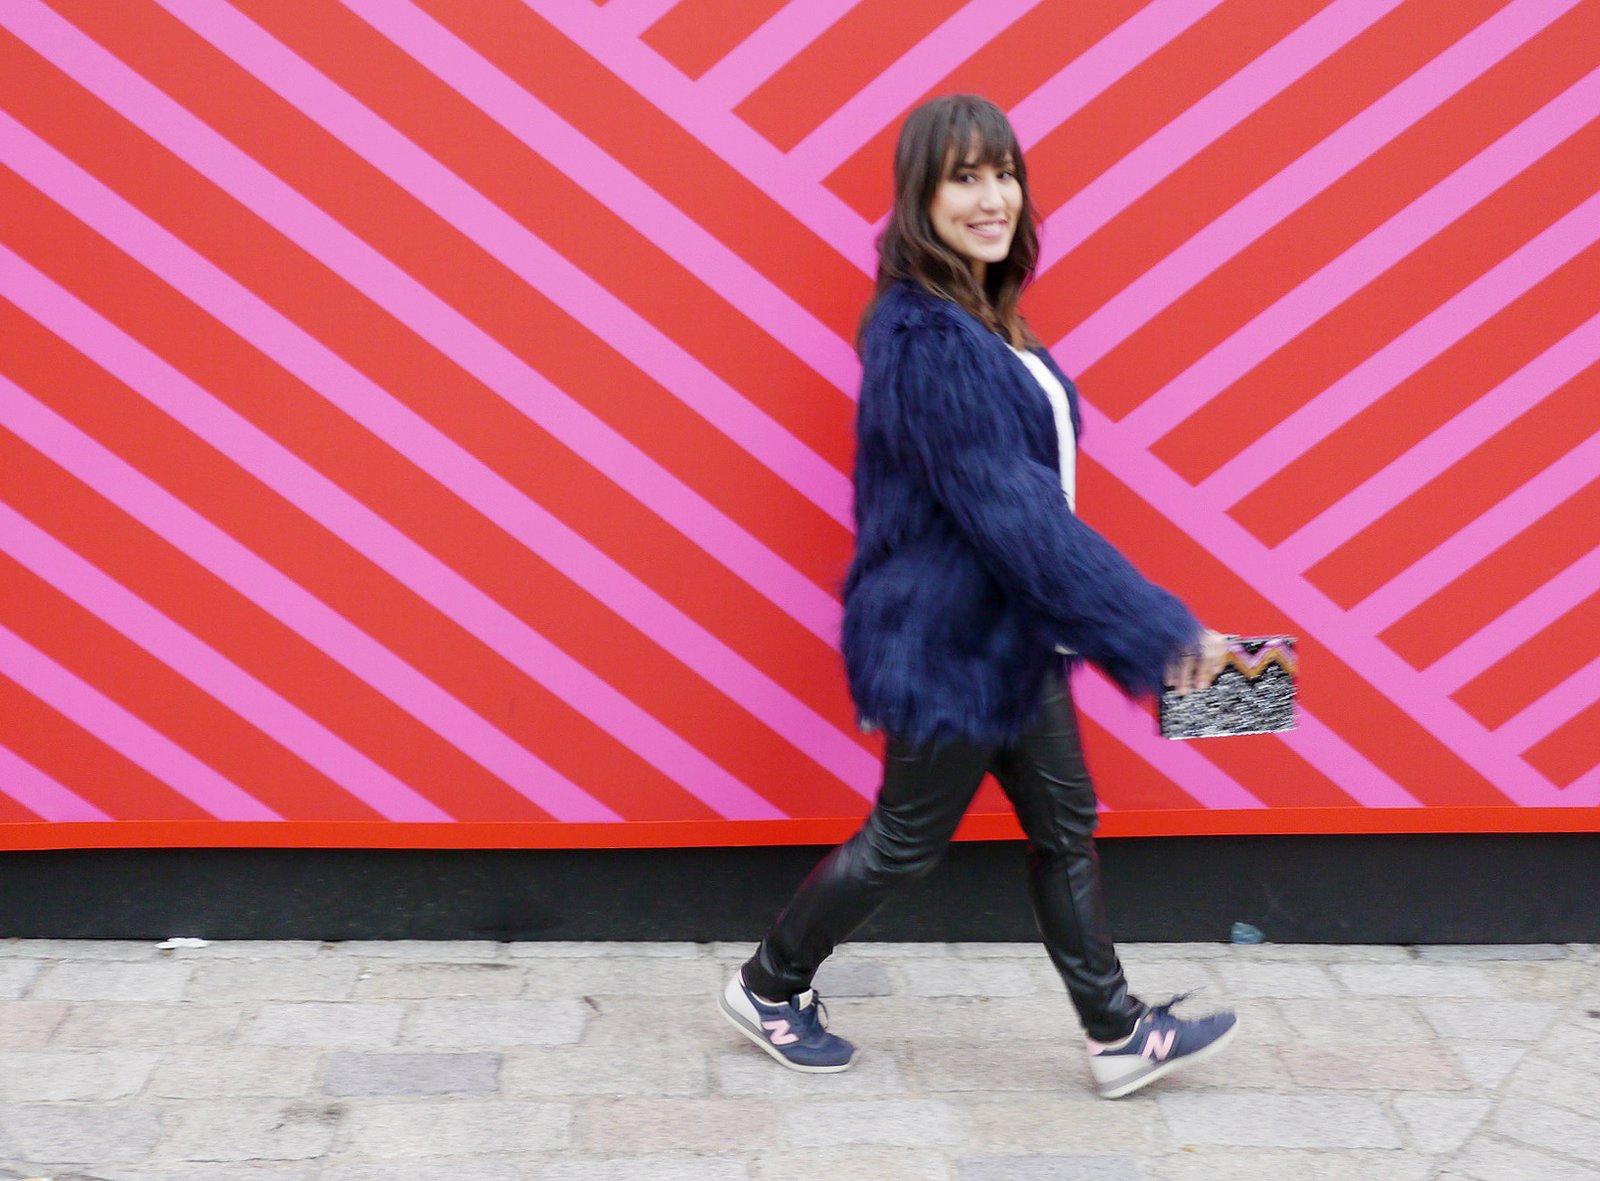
(795, 1032)
(1159, 1043)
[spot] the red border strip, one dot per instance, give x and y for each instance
(1178, 822)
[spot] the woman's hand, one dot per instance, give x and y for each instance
(1198, 667)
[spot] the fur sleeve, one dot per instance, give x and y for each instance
(975, 462)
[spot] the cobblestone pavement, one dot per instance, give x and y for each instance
(598, 1062)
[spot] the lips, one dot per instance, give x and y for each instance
(988, 229)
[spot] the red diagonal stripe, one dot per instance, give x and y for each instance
(80, 761)
(1542, 662)
(1569, 751)
(1353, 330)
(1498, 581)
(1241, 160)
(694, 35)
(820, 78)
(415, 373)
(1005, 70)
(1419, 405)
(637, 133)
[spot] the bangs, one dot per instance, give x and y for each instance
(980, 134)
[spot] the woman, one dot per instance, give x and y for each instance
(972, 575)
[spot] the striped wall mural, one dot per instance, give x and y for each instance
(429, 421)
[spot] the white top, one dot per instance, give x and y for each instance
(1063, 412)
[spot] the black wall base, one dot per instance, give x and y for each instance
(1521, 888)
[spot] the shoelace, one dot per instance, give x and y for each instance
(1165, 1008)
(814, 1017)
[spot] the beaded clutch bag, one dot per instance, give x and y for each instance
(1253, 694)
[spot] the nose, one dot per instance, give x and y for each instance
(991, 198)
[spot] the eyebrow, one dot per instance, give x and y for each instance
(1007, 162)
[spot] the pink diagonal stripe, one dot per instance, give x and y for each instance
(1583, 792)
(419, 309)
(1317, 295)
(92, 711)
(1505, 521)
(1513, 397)
(630, 18)
(1137, 304)
(1408, 352)
(1312, 611)
(817, 208)
(455, 468)
(875, 105)
(1200, 125)
(518, 249)
(1358, 776)
(212, 673)
(41, 794)
(1113, 57)
(264, 585)
(1210, 785)
(1553, 709)
(478, 81)
(767, 50)
(1499, 638)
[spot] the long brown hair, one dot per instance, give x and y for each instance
(936, 137)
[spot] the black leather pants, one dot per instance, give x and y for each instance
(925, 792)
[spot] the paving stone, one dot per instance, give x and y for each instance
(1540, 1125)
(468, 1168)
(1064, 1123)
(902, 1123)
(1542, 980)
(40, 1077)
(77, 950)
(421, 951)
(1441, 1123)
(76, 1134)
(250, 949)
(1275, 980)
(383, 980)
(1373, 1068)
(1156, 982)
(27, 1025)
(1419, 980)
(1049, 1168)
(234, 1072)
(1315, 953)
(1026, 952)
(1486, 1064)
(16, 975)
(1037, 1064)
(869, 1020)
(1355, 1021)
(676, 1024)
(1505, 1021)
(662, 1167)
(355, 1025)
(953, 977)
(250, 1131)
(240, 979)
(624, 976)
(403, 1131)
(112, 981)
(853, 978)
(1552, 1080)
(147, 1025)
(605, 1070)
(639, 1125)
(586, 951)
(1269, 1164)
(493, 1024)
(851, 1164)
(1142, 953)
(1278, 1121)
(207, 1171)
(351, 1073)
(1445, 952)
(748, 1071)
(1488, 1159)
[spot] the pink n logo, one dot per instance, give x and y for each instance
(780, 1032)
(1158, 1045)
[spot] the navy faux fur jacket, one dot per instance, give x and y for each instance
(969, 567)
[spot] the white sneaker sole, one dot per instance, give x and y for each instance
(743, 1027)
(1118, 1089)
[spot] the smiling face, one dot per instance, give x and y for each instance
(975, 210)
